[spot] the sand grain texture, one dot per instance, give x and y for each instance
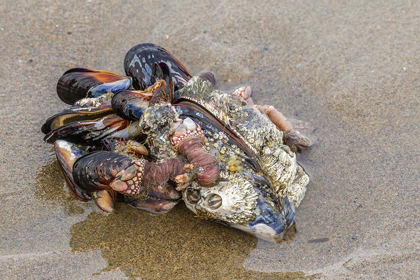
(347, 73)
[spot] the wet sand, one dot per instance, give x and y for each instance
(347, 74)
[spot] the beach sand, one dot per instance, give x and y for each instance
(345, 74)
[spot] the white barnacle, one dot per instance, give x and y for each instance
(189, 124)
(233, 201)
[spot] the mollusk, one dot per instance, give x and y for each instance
(78, 83)
(160, 135)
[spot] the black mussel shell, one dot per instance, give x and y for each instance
(78, 83)
(76, 113)
(90, 132)
(97, 170)
(142, 63)
(130, 104)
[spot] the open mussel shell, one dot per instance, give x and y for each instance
(92, 132)
(67, 153)
(142, 63)
(76, 113)
(130, 104)
(78, 83)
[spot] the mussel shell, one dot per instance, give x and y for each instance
(208, 76)
(96, 171)
(274, 218)
(78, 83)
(76, 113)
(281, 217)
(67, 153)
(130, 104)
(141, 63)
(90, 132)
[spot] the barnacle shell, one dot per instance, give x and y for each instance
(243, 202)
(237, 201)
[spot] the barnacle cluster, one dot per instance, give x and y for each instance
(262, 136)
(238, 201)
(159, 134)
